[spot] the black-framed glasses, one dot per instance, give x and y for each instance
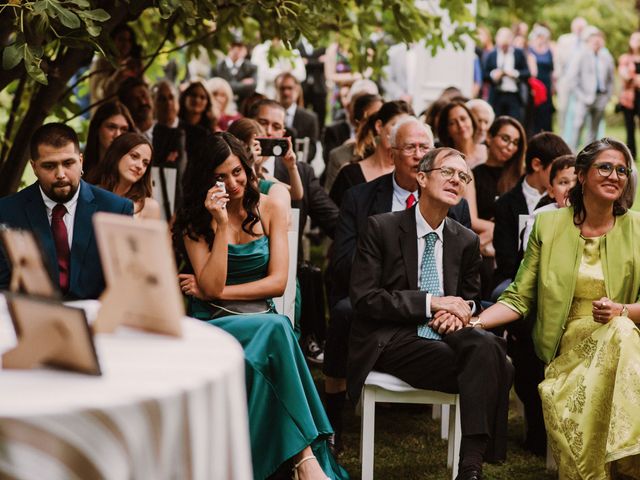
(508, 140)
(448, 173)
(605, 169)
(411, 149)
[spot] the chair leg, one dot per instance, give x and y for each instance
(444, 423)
(451, 432)
(455, 437)
(367, 433)
(436, 411)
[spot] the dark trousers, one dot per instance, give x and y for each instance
(316, 101)
(630, 123)
(508, 103)
(336, 348)
(529, 372)
(470, 362)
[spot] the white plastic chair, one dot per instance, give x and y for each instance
(302, 149)
(286, 304)
(382, 387)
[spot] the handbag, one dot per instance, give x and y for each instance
(223, 308)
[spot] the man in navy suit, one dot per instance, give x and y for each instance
(507, 72)
(58, 209)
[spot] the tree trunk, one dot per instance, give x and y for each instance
(41, 105)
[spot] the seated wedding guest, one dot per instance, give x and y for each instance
(410, 140)
(58, 209)
(196, 107)
(413, 274)
(506, 143)
(484, 116)
(361, 107)
(125, 171)
(380, 162)
(522, 199)
(562, 178)
(247, 131)
(224, 106)
(581, 275)
(110, 120)
(236, 243)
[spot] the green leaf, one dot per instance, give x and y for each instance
(12, 55)
(66, 16)
(99, 15)
(81, 3)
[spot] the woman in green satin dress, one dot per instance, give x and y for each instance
(236, 243)
(582, 272)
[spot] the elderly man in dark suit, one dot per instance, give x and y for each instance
(413, 275)
(303, 122)
(410, 139)
(58, 209)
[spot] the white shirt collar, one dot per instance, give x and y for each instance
(70, 205)
(531, 195)
(401, 191)
(423, 228)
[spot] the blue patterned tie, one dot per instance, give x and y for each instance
(429, 281)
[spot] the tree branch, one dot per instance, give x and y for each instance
(15, 105)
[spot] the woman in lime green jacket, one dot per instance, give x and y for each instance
(581, 277)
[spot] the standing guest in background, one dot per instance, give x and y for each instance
(380, 162)
(126, 171)
(581, 277)
(223, 105)
(540, 48)
(567, 48)
(590, 80)
(135, 95)
(58, 209)
(109, 121)
(507, 71)
(484, 116)
(314, 87)
(361, 107)
(303, 122)
(272, 60)
(196, 107)
(238, 70)
(629, 71)
(237, 245)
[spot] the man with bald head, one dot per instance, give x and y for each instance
(414, 285)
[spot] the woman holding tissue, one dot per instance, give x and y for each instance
(236, 241)
(582, 271)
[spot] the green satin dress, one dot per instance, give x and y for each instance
(285, 411)
(591, 392)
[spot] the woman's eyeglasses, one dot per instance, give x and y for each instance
(509, 141)
(448, 173)
(605, 169)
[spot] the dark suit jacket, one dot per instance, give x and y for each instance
(505, 233)
(490, 64)
(315, 82)
(246, 70)
(26, 210)
(306, 124)
(334, 136)
(315, 203)
(384, 284)
(358, 204)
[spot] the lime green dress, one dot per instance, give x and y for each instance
(591, 391)
(285, 411)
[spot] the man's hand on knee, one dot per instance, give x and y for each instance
(454, 305)
(445, 323)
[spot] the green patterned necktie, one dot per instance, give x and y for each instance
(429, 281)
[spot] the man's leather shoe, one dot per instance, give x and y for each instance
(470, 475)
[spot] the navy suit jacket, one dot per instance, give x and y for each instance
(506, 238)
(26, 210)
(491, 63)
(358, 204)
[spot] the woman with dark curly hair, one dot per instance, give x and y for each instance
(109, 121)
(126, 171)
(236, 241)
(581, 276)
(196, 107)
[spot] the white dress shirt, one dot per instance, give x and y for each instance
(69, 217)
(506, 63)
(422, 229)
(399, 201)
(269, 166)
(531, 195)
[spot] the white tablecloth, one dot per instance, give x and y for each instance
(164, 408)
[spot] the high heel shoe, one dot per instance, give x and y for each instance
(297, 465)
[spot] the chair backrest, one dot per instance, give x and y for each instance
(286, 304)
(302, 149)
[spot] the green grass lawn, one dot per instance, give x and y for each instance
(408, 446)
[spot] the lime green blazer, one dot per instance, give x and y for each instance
(547, 275)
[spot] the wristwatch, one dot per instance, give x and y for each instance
(477, 323)
(625, 311)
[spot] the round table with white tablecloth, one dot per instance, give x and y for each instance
(164, 408)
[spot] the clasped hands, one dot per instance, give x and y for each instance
(449, 314)
(605, 309)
